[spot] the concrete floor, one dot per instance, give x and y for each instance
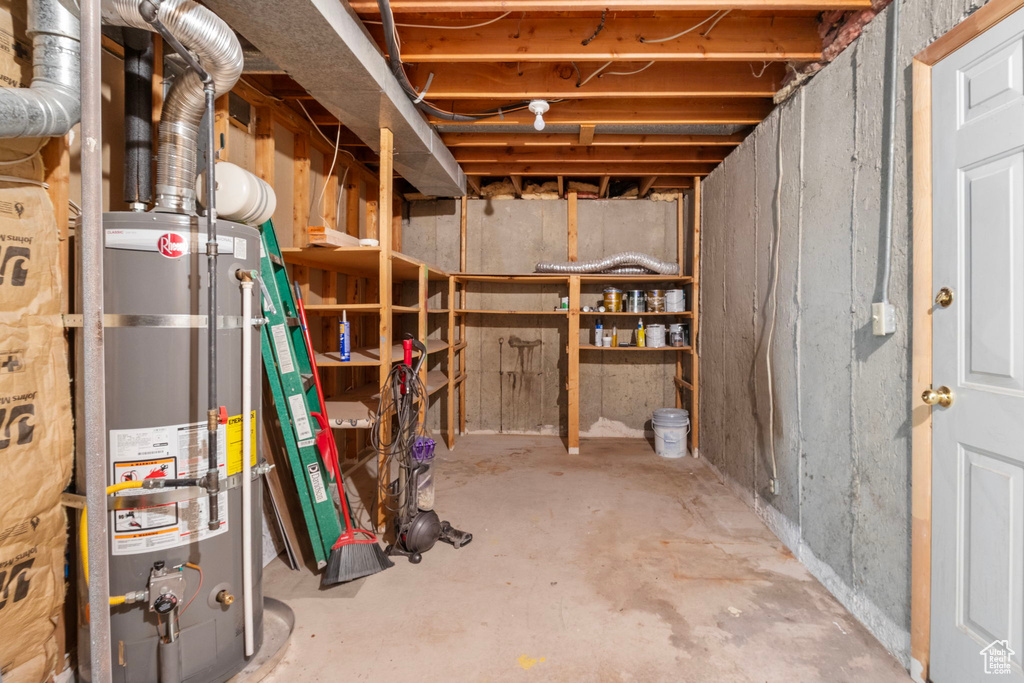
(611, 566)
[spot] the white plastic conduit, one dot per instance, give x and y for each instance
(247, 282)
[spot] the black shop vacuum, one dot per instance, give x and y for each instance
(410, 496)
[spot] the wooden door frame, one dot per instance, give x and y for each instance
(921, 364)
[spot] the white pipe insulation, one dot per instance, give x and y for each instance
(247, 329)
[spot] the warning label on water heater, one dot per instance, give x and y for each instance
(170, 452)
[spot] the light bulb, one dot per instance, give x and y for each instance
(539, 107)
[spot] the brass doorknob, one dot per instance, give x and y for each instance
(945, 297)
(942, 396)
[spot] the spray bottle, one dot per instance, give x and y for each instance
(641, 335)
(344, 338)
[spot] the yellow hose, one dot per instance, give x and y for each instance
(83, 533)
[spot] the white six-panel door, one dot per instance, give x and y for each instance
(978, 353)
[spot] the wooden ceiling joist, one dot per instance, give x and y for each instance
(485, 6)
(587, 135)
(453, 140)
(629, 111)
(553, 81)
(517, 183)
(578, 155)
(736, 37)
(552, 170)
(645, 185)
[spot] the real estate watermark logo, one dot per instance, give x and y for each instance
(997, 657)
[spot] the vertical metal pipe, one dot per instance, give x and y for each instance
(138, 118)
(93, 371)
(212, 475)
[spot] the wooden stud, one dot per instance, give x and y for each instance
(586, 134)
(462, 236)
(695, 324)
(463, 369)
(373, 197)
(573, 211)
(221, 121)
(573, 386)
(385, 329)
(56, 158)
(329, 328)
(449, 418)
(737, 37)
(352, 187)
(300, 190)
(517, 184)
(681, 237)
(329, 204)
(602, 191)
(921, 373)
(396, 224)
(561, 187)
(264, 144)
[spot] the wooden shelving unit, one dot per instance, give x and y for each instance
(686, 358)
(370, 275)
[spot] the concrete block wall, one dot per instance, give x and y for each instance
(517, 365)
(834, 408)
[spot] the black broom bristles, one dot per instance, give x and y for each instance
(354, 561)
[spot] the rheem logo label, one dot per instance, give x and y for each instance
(172, 245)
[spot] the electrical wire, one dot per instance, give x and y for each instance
(681, 33)
(648, 65)
(327, 178)
(405, 410)
(580, 84)
(12, 162)
(198, 588)
(26, 181)
(723, 15)
(446, 28)
(773, 297)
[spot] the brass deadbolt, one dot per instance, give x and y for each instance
(942, 396)
(225, 598)
(945, 297)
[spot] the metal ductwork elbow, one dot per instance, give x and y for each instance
(220, 53)
(52, 104)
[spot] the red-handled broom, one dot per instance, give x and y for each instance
(355, 554)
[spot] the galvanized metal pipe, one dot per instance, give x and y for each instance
(90, 238)
(615, 261)
(212, 475)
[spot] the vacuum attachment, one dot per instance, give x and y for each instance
(453, 536)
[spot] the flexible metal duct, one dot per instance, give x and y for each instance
(220, 53)
(51, 105)
(625, 259)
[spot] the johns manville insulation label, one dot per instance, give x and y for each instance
(171, 452)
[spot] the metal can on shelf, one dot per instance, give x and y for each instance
(613, 299)
(675, 335)
(655, 300)
(635, 301)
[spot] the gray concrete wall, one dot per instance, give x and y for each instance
(517, 365)
(841, 416)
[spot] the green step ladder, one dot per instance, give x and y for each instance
(289, 370)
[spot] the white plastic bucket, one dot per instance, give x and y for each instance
(671, 426)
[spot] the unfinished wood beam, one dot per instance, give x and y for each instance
(221, 120)
(517, 183)
(573, 213)
(264, 144)
(629, 111)
(352, 186)
(602, 190)
(300, 190)
(573, 170)
(384, 195)
(329, 201)
(586, 134)
(474, 184)
(737, 37)
(561, 187)
(553, 80)
(453, 140)
(570, 155)
(457, 6)
(645, 185)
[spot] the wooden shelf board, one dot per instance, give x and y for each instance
(434, 311)
(353, 405)
(562, 312)
(460, 379)
(405, 309)
(336, 309)
(370, 356)
(360, 261)
(598, 277)
(681, 314)
(460, 346)
(535, 278)
(436, 380)
(682, 383)
(586, 347)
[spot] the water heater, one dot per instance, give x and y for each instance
(160, 545)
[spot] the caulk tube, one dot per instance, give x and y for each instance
(344, 338)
